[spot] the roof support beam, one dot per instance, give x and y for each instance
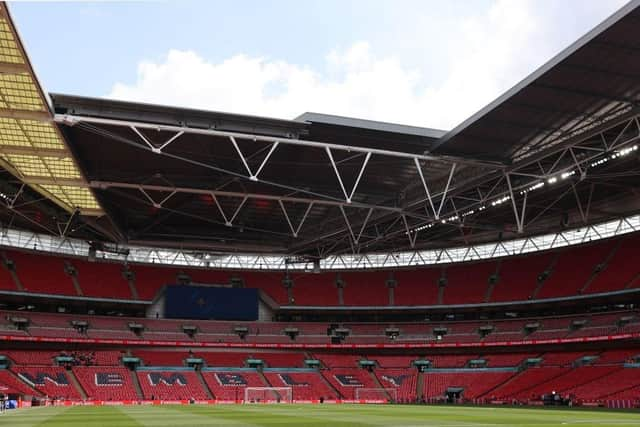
(426, 187)
(103, 185)
(446, 189)
(294, 231)
(347, 196)
(583, 215)
(71, 120)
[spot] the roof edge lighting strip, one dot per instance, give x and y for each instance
(22, 239)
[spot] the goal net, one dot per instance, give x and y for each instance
(268, 395)
(379, 395)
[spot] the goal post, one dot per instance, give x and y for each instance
(381, 395)
(268, 395)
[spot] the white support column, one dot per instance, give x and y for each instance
(364, 165)
(286, 216)
(224, 216)
(616, 141)
(583, 172)
(591, 188)
(514, 205)
(346, 220)
(153, 148)
(144, 139)
(266, 159)
(426, 187)
(579, 203)
(364, 224)
(244, 199)
(244, 161)
(446, 189)
(412, 239)
(335, 169)
(14, 199)
(295, 231)
(153, 202)
(170, 140)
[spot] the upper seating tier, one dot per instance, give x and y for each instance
(595, 267)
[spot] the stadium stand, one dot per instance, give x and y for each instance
(517, 278)
(281, 360)
(150, 279)
(50, 381)
(403, 380)
(618, 273)
(49, 277)
(417, 287)
(468, 284)
(392, 361)
(225, 359)
(366, 288)
(573, 269)
(474, 384)
(161, 358)
(6, 279)
(102, 280)
(315, 289)
(346, 381)
(269, 283)
(171, 385)
(106, 383)
(519, 386)
(13, 384)
(230, 385)
(305, 385)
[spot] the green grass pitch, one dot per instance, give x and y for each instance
(312, 416)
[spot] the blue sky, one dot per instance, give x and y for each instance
(426, 63)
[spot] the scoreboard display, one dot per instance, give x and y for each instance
(210, 303)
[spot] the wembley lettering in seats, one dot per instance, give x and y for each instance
(39, 378)
(109, 379)
(286, 378)
(231, 379)
(396, 380)
(156, 378)
(348, 380)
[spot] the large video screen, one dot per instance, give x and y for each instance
(210, 302)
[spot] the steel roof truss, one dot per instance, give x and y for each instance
(295, 231)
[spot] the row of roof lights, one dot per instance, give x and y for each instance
(620, 153)
(423, 227)
(500, 201)
(568, 174)
(536, 186)
(451, 218)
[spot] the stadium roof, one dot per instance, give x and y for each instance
(31, 147)
(558, 149)
(590, 82)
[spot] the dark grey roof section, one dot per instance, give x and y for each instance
(175, 116)
(600, 66)
(370, 125)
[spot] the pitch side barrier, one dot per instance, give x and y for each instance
(192, 344)
(25, 404)
(611, 404)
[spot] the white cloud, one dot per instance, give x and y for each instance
(490, 53)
